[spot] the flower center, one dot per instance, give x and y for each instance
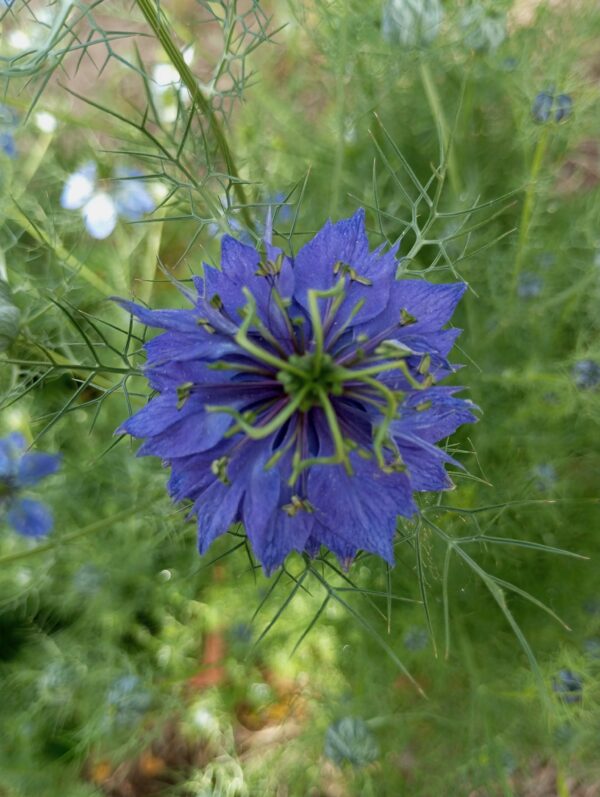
(314, 374)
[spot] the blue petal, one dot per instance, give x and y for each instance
(184, 320)
(441, 416)
(36, 466)
(182, 346)
(271, 531)
(216, 510)
(345, 242)
(281, 536)
(7, 145)
(431, 305)
(131, 197)
(30, 518)
(425, 465)
(11, 447)
(172, 432)
(361, 508)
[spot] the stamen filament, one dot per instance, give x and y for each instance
(260, 432)
(242, 339)
(315, 317)
(335, 430)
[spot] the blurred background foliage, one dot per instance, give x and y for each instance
(130, 666)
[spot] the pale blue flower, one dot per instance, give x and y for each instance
(127, 197)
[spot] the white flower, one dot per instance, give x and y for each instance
(167, 88)
(45, 122)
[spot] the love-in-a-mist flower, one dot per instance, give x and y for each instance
(125, 196)
(167, 89)
(8, 124)
(547, 107)
(411, 23)
(18, 472)
(298, 396)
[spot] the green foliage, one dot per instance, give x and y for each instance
(106, 628)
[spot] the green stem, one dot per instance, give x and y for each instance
(529, 203)
(59, 250)
(62, 363)
(340, 101)
(159, 24)
(443, 130)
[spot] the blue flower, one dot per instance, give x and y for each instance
(586, 374)
(298, 395)
(542, 107)
(128, 199)
(412, 23)
(8, 124)
(530, 286)
(416, 638)
(128, 700)
(349, 741)
(545, 476)
(568, 685)
(545, 103)
(18, 472)
(564, 107)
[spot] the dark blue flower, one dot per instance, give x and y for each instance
(18, 472)
(546, 106)
(564, 107)
(298, 396)
(542, 107)
(568, 685)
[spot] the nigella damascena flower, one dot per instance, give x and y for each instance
(18, 472)
(8, 124)
(546, 106)
(298, 395)
(126, 197)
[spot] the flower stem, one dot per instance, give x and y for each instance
(443, 130)
(59, 250)
(158, 22)
(528, 204)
